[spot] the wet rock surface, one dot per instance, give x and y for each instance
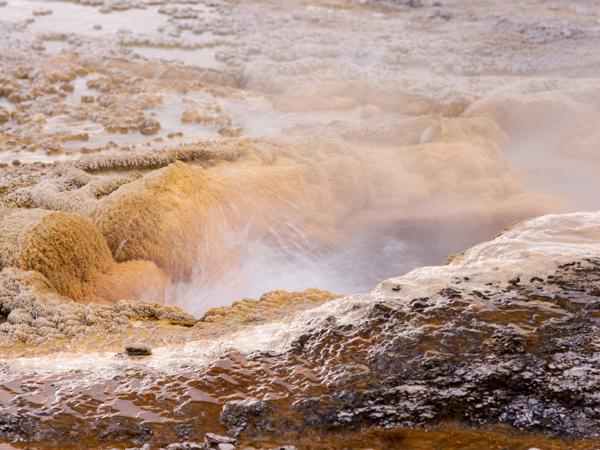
(539, 371)
(194, 153)
(186, 446)
(214, 441)
(36, 315)
(519, 353)
(138, 349)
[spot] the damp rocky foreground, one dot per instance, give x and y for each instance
(200, 201)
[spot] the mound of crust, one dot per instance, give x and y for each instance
(70, 252)
(270, 306)
(179, 216)
(155, 217)
(32, 314)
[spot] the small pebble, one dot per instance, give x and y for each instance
(138, 349)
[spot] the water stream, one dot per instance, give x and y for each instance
(221, 150)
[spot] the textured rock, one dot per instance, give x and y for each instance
(149, 126)
(69, 251)
(184, 446)
(236, 414)
(155, 218)
(515, 345)
(138, 349)
(37, 315)
(515, 352)
(214, 441)
(494, 337)
(4, 115)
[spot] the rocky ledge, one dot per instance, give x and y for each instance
(507, 333)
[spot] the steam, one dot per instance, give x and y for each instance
(381, 145)
(415, 189)
(352, 215)
(361, 260)
(559, 156)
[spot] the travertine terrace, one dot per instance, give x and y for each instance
(314, 223)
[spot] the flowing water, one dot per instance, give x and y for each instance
(361, 140)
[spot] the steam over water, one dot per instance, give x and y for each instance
(413, 135)
(355, 265)
(419, 136)
(329, 220)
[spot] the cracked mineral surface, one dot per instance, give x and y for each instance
(362, 224)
